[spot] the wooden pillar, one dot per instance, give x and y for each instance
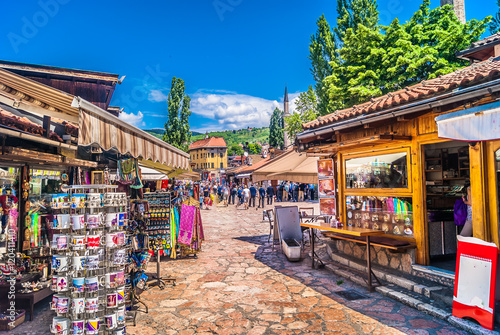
(479, 192)
(492, 183)
(420, 230)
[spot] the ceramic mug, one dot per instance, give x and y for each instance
(111, 240)
(59, 263)
(92, 283)
(79, 263)
(62, 304)
(61, 221)
(91, 305)
(53, 304)
(92, 326)
(120, 315)
(78, 284)
(120, 277)
(78, 221)
(78, 242)
(112, 300)
(78, 201)
(110, 280)
(121, 219)
(60, 325)
(120, 295)
(92, 262)
(94, 220)
(78, 305)
(120, 331)
(120, 238)
(60, 242)
(93, 241)
(120, 257)
(77, 327)
(111, 321)
(111, 219)
(62, 283)
(54, 283)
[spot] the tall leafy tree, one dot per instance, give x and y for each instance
(306, 110)
(276, 137)
(177, 130)
(351, 13)
(322, 50)
(375, 62)
(495, 23)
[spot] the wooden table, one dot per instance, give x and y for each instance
(353, 231)
(34, 297)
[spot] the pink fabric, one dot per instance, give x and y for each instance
(186, 224)
(202, 235)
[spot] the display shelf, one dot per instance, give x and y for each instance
(433, 170)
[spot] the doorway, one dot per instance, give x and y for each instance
(447, 174)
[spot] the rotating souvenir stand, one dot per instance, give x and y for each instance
(89, 262)
(158, 227)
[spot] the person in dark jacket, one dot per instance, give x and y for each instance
(234, 191)
(253, 194)
(262, 195)
(270, 194)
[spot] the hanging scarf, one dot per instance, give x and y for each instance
(173, 232)
(128, 170)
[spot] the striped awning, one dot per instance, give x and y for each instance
(98, 127)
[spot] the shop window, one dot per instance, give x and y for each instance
(381, 171)
(392, 215)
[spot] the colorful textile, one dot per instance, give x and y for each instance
(186, 224)
(128, 170)
(173, 235)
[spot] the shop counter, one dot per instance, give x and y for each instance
(34, 297)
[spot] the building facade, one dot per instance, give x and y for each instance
(209, 156)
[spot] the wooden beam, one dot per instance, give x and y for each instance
(23, 155)
(402, 119)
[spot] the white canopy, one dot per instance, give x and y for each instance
(480, 123)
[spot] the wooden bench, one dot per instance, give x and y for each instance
(392, 244)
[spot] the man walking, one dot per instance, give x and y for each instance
(302, 188)
(270, 194)
(246, 196)
(253, 194)
(262, 195)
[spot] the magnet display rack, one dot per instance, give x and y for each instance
(158, 227)
(101, 244)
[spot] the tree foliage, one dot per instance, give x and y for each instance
(374, 62)
(235, 150)
(352, 13)
(306, 110)
(276, 138)
(177, 130)
(495, 22)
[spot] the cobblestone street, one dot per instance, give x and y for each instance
(238, 285)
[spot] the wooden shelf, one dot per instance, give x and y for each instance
(433, 170)
(454, 178)
(433, 158)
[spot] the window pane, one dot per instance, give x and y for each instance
(392, 215)
(212, 165)
(382, 171)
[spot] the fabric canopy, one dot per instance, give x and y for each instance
(291, 166)
(109, 132)
(152, 174)
(480, 123)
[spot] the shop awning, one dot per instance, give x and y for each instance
(480, 123)
(291, 166)
(98, 127)
(243, 175)
(152, 174)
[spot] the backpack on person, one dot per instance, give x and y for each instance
(460, 212)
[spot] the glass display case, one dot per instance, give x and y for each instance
(393, 215)
(380, 171)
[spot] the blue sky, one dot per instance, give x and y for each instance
(234, 55)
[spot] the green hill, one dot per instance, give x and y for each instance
(157, 132)
(231, 137)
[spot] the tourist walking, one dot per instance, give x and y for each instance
(253, 194)
(246, 196)
(262, 196)
(270, 194)
(234, 191)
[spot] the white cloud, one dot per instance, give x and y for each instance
(236, 111)
(133, 119)
(157, 96)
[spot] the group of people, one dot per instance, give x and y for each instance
(248, 194)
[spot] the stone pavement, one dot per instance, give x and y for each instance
(238, 285)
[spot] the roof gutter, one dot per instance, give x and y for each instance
(445, 99)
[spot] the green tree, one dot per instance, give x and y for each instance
(306, 110)
(177, 126)
(322, 50)
(351, 13)
(235, 150)
(374, 62)
(495, 23)
(276, 138)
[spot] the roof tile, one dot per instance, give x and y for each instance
(211, 142)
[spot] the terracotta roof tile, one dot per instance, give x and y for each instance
(211, 142)
(486, 70)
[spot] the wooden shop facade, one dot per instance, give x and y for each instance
(396, 172)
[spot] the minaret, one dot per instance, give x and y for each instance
(458, 7)
(285, 114)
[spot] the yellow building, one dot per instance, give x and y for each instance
(209, 156)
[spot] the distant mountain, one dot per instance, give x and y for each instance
(158, 132)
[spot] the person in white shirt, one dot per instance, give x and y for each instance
(246, 196)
